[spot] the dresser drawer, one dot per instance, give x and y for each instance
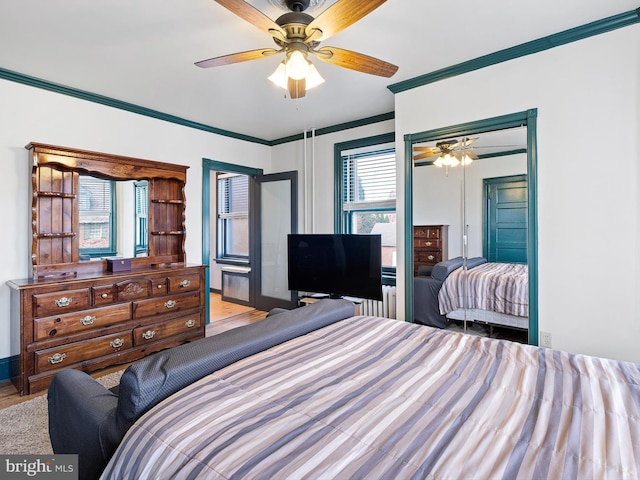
(133, 289)
(45, 304)
(66, 355)
(426, 232)
(430, 243)
(69, 323)
(158, 331)
(184, 283)
(428, 257)
(168, 304)
(103, 295)
(159, 286)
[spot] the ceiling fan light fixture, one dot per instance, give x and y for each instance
(297, 65)
(279, 77)
(313, 77)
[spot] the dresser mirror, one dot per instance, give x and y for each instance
(89, 205)
(113, 218)
(457, 203)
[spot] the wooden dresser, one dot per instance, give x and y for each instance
(92, 322)
(74, 313)
(430, 245)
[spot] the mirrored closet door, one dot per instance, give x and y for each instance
(470, 232)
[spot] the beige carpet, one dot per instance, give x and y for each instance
(24, 428)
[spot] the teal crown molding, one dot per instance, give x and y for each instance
(129, 107)
(567, 36)
(337, 128)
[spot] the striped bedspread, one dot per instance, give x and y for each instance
(498, 287)
(374, 398)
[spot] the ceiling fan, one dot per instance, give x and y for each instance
(449, 152)
(297, 35)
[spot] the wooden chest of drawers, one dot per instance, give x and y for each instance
(430, 245)
(94, 321)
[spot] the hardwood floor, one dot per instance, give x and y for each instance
(223, 316)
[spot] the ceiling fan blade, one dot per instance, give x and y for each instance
(339, 16)
(252, 15)
(418, 148)
(465, 142)
(420, 156)
(237, 57)
(471, 155)
(355, 61)
(297, 88)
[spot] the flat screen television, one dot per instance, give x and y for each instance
(336, 264)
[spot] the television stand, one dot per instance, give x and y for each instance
(309, 299)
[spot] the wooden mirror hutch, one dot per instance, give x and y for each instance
(92, 314)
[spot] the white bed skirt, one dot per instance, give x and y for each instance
(487, 316)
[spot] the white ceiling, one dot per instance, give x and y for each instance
(143, 52)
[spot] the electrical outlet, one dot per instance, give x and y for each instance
(545, 339)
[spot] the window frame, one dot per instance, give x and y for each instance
(343, 219)
(222, 255)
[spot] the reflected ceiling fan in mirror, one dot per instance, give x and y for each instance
(448, 153)
(297, 35)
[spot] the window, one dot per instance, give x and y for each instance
(141, 198)
(368, 198)
(233, 216)
(97, 203)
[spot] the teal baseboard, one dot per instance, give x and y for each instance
(5, 367)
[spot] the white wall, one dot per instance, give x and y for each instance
(587, 96)
(31, 114)
(316, 175)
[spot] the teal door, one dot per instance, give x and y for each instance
(505, 219)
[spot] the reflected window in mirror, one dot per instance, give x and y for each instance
(141, 199)
(233, 217)
(368, 203)
(97, 217)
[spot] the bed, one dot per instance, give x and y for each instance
(492, 293)
(370, 397)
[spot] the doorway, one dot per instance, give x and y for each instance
(244, 269)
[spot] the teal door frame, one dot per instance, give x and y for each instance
(526, 118)
(207, 167)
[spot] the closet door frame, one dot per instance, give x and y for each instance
(526, 118)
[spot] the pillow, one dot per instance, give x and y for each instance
(441, 270)
(475, 261)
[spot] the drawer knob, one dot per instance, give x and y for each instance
(88, 320)
(184, 283)
(170, 303)
(160, 285)
(104, 295)
(428, 244)
(148, 335)
(117, 343)
(431, 257)
(190, 323)
(57, 358)
(63, 302)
